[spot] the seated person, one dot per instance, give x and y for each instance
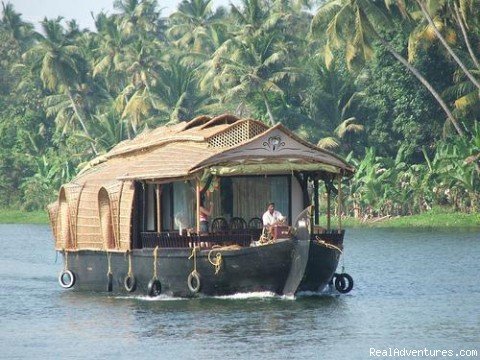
(272, 217)
(204, 215)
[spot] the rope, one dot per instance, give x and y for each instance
(155, 256)
(194, 255)
(65, 267)
(218, 261)
(327, 245)
(109, 261)
(130, 273)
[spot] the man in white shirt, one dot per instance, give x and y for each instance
(272, 216)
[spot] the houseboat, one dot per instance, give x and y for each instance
(133, 220)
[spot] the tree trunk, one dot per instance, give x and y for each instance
(445, 44)
(269, 111)
(465, 36)
(424, 81)
(79, 114)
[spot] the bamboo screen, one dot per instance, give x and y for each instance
(236, 134)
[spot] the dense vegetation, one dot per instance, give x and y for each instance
(394, 86)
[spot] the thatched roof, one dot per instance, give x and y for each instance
(179, 150)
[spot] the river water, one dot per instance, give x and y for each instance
(414, 290)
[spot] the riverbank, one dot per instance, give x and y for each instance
(436, 218)
(8, 216)
(433, 219)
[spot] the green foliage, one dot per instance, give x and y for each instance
(68, 94)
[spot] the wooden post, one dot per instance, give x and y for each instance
(144, 206)
(328, 209)
(198, 206)
(315, 200)
(340, 202)
(159, 208)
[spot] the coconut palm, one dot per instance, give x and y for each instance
(248, 69)
(20, 31)
(61, 67)
(195, 25)
(139, 17)
(354, 24)
(432, 24)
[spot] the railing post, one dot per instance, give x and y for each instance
(315, 201)
(198, 205)
(159, 208)
(328, 209)
(339, 202)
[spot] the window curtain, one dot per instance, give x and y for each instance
(252, 194)
(184, 205)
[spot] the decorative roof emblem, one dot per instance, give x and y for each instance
(274, 143)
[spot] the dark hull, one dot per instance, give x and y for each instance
(283, 268)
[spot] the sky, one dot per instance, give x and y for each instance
(35, 10)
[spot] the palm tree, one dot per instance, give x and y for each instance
(20, 31)
(61, 67)
(110, 51)
(444, 42)
(331, 99)
(177, 94)
(141, 63)
(248, 68)
(346, 127)
(255, 64)
(353, 23)
(195, 24)
(139, 17)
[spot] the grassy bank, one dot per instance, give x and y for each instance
(437, 218)
(23, 217)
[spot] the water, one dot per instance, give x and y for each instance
(413, 289)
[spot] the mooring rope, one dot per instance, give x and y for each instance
(65, 267)
(109, 261)
(155, 256)
(218, 261)
(194, 255)
(130, 273)
(327, 245)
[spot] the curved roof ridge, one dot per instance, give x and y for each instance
(179, 137)
(196, 122)
(218, 119)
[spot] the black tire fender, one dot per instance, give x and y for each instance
(130, 283)
(154, 287)
(66, 284)
(343, 283)
(193, 282)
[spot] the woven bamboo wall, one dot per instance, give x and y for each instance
(113, 189)
(52, 210)
(73, 192)
(106, 221)
(88, 229)
(64, 237)
(126, 206)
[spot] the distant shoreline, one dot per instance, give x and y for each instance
(432, 219)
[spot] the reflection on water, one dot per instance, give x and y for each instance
(412, 289)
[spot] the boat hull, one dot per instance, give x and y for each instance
(283, 268)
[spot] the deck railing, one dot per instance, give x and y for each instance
(173, 239)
